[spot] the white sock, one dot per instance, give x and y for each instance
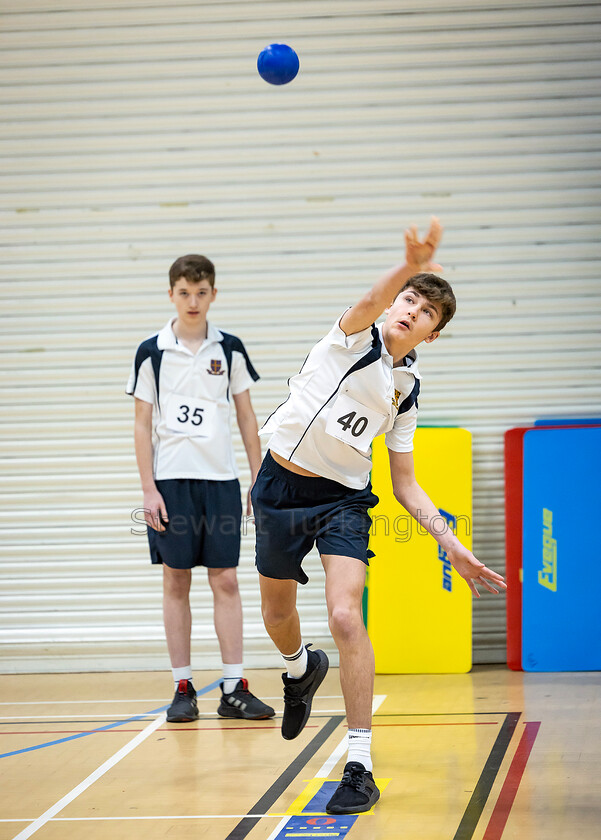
(359, 747)
(184, 673)
(296, 663)
(231, 675)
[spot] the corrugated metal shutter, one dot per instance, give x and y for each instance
(133, 132)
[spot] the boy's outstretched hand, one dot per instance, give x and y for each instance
(419, 253)
(473, 571)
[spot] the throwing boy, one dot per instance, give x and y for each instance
(313, 488)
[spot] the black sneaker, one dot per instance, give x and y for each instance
(298, 693)
(357, 792)
(184, 707)
(242, 704)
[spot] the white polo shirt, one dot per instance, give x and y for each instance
(346, 393)
(191, 397)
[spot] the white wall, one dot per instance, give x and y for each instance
(132, 132)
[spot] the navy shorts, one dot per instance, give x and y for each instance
(295, 512)
(204, 524)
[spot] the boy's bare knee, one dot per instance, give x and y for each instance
(275, 614)
(224, 581)
(176, 582)
(345, 622)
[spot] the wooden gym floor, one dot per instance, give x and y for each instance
(484, 755)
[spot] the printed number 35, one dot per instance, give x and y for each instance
(195, 419)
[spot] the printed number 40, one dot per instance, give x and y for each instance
(357, 427)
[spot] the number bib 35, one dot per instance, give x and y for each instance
(191, 416)
(354, 423)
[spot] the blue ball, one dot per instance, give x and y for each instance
(278, 64)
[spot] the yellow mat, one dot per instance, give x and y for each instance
(419, 610)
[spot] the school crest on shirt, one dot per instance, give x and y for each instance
(216, 369)
(395, 399)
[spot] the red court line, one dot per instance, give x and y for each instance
(246, 728)
(500, 814)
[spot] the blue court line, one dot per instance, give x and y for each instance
(204, 690)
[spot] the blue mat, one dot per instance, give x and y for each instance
(561, 620)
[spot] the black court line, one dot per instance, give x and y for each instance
(475, 806)
(270, 797)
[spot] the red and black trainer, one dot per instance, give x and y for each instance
(184, 707)
(240, 703)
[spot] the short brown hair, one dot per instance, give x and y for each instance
(437, 291)
(194, 268)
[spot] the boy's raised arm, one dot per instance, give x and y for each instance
(418, 256)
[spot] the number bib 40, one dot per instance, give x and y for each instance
(353, 423)
(191, 416)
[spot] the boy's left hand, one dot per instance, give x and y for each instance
(473, 571)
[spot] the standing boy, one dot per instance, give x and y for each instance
(185, 379)
(313, 488)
